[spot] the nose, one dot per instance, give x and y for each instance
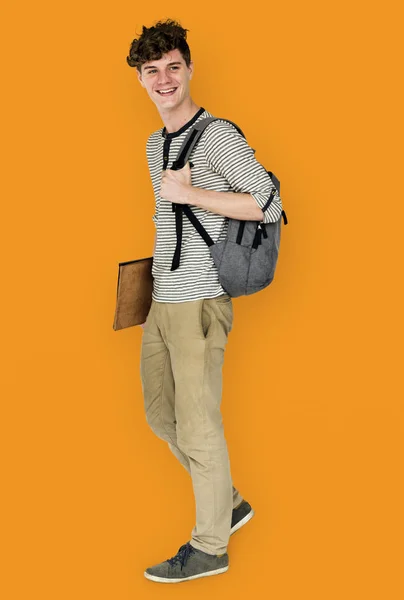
(163, 78)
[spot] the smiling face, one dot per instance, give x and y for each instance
(169, 72)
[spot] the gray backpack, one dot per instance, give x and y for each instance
(247, 258)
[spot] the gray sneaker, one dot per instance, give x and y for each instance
(188, 563)
(240, 516)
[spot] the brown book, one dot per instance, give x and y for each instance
(134, 292)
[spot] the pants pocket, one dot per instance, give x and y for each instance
(205, 318)
(223, 299)
(225, 313)
(216, 318)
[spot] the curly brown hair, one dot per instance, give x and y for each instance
(157, 40)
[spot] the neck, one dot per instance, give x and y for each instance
(175, 118)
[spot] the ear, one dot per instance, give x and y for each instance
(191, 69)
(139, 76)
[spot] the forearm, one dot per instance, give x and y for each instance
(229, 204)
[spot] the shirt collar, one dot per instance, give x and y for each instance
(184, 127)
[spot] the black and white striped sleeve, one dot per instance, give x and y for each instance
(228, 153)
(149, 159)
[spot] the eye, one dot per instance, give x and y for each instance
(150, 71)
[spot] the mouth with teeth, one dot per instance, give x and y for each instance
(167, 92)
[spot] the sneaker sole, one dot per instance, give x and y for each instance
(180, 579)
(242, 522)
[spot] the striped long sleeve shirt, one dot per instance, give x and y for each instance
(222, 161)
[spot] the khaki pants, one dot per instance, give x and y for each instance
(181, 372)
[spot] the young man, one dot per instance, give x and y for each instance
(191, 315)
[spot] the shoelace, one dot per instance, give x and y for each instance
(182, 555)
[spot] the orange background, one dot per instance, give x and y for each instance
(312, 401)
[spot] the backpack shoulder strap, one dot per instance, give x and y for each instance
(203, 123)
(193, 137)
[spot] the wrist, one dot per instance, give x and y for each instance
(189, 194)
